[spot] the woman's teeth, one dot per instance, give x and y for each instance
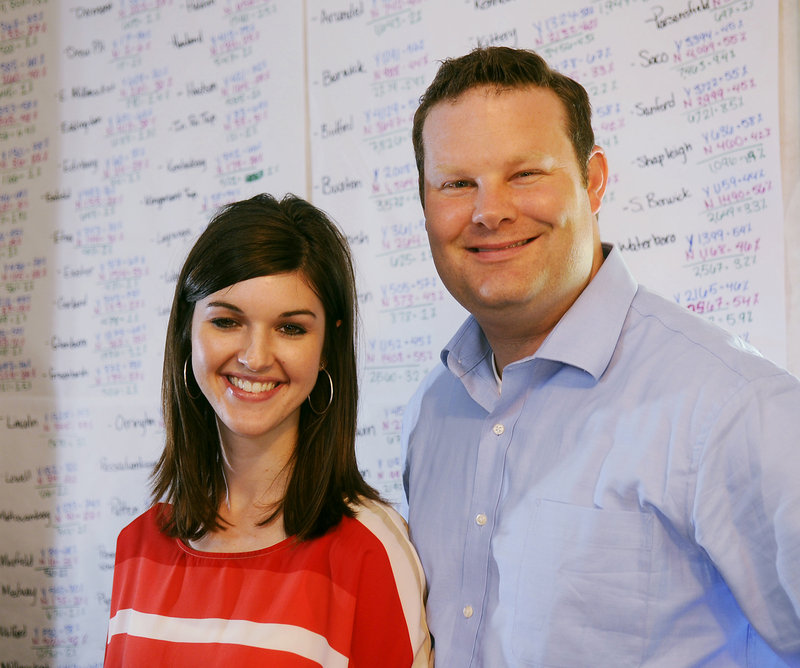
(247, 386)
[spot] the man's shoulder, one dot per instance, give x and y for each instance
(668, 331)
(437, 385)
(435, 382)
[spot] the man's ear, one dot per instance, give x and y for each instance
(596, 178)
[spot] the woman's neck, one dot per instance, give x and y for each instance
(256, 476)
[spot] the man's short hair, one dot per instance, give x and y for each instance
(506, 69)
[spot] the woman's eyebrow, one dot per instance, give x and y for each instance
(291, 314)
(225, 305)
(285, 314)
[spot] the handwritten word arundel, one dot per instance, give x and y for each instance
(335, 16)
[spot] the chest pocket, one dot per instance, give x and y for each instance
(583, 587)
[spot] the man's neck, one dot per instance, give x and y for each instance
(508, 349)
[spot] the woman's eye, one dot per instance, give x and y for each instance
(223, 323)
(292, 330)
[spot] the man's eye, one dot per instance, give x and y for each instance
(457, 184)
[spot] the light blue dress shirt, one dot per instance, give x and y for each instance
(630, 498)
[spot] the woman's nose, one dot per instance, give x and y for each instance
(256, 354)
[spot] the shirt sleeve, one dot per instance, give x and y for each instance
(389, 628)
(747, 506)
(410, 416)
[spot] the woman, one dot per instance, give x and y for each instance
(268, 547)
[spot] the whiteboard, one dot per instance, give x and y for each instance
(124, 124)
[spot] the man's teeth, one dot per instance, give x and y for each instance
(514, 245)
(247, 386)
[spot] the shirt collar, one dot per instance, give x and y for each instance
(586, 335)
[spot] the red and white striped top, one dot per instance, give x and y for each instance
(353, 597)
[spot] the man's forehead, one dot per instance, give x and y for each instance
(542, 103)
(486, 93)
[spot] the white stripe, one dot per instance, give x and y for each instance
(282, 637)
(389, 527)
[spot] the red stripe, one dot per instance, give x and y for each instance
(332, 585)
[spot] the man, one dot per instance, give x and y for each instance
(595, 476)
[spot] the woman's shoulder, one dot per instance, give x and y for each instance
(380, 518)
(378, 528)
(143, 530)
(391, 580)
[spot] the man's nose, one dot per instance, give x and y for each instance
(494, 205)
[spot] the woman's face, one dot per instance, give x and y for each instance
(256, 352)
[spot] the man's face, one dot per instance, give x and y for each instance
(511, 223)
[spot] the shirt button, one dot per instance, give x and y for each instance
(498, 429)
(468, 611)
(480, 519)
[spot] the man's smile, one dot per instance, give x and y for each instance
(490, 249)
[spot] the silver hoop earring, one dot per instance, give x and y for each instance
(186, 380)
(330, 401)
